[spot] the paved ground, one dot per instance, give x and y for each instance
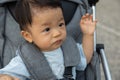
(108, 33)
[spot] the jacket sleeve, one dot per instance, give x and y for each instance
(83, 62)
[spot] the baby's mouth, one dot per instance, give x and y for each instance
(58, 42)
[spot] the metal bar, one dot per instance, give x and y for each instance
(105, 65)
(94, 17)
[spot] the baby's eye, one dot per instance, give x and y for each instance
(61, 24)
(47, 29)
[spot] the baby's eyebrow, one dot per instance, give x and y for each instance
(45, 24)
(48, 23)
(61, 19)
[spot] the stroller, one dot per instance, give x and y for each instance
(73, 10)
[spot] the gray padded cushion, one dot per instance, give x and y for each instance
(69, 9)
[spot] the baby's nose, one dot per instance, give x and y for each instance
(56, 33)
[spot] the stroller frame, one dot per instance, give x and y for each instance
(100, 49)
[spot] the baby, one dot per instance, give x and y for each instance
(42, 24)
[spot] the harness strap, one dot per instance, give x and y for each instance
(37, 64)
(68, 73)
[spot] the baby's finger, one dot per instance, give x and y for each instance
(88, 17)
(83, 17)
(87, 14)
(91, 17)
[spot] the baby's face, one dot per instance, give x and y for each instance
(48, 29)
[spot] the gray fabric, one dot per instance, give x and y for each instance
(12, 38)
(6, 1)
(33, 58)
(70, 49)
(73, 28)
(93, 70)
(2, 23)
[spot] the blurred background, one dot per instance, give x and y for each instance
(108, 33)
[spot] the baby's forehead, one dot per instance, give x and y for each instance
(45, 12)
(47, 16)
(39, 10)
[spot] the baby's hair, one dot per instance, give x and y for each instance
(23, 10)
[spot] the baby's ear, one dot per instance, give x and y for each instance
(27, 36)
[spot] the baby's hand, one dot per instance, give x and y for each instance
(7, 77)
(87, 24)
